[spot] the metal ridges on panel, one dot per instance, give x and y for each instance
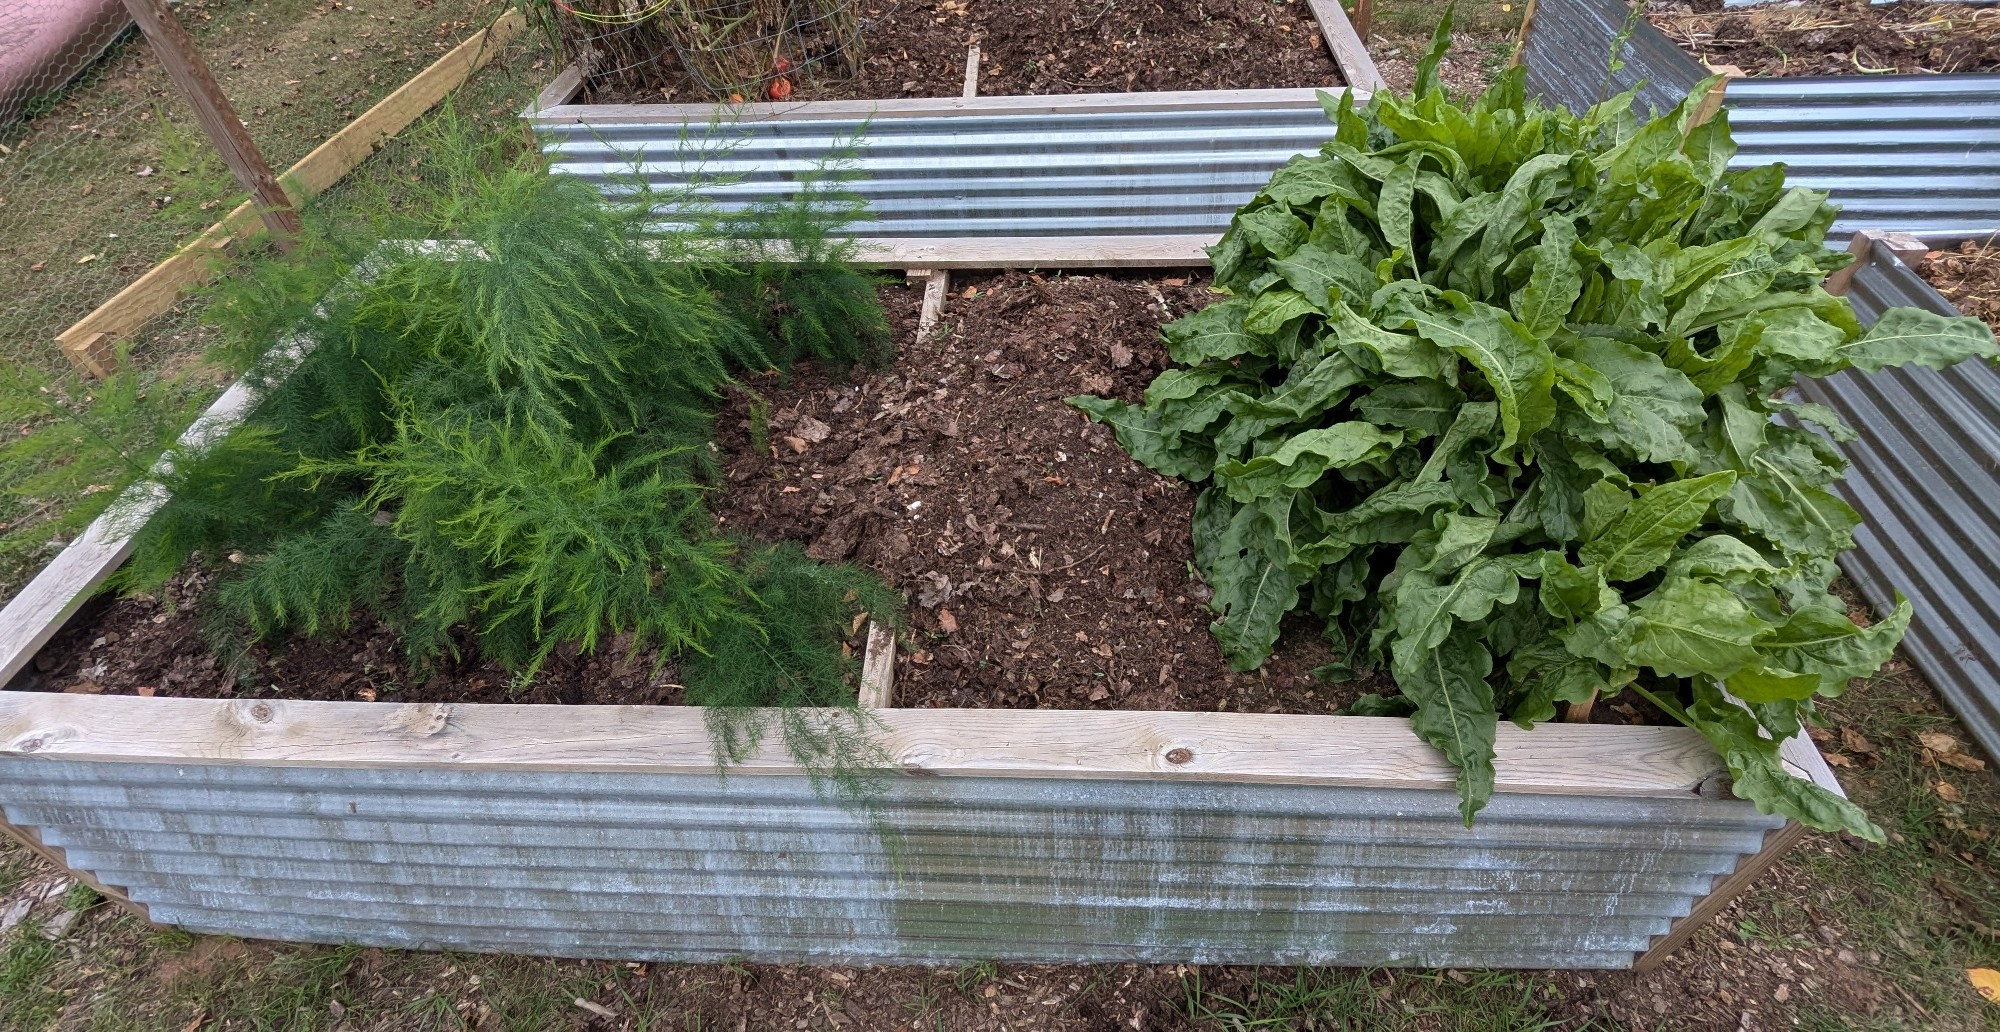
(1181, 170)
(1568, 55)
(687, 867)
(1899, 153)
(1926, 480)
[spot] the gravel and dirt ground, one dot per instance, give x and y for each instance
(1834, 37)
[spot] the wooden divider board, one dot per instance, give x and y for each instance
(88, 343)
(1346, 46)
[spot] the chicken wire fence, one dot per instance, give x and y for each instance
(78, 220)
(729, 49)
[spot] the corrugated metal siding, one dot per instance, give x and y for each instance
(1900, 153)
(1926, 480)
(1089, 173)
(1569, 48)
(677, 867)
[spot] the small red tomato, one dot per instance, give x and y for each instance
(782, 64)
(781, 88)
(736, 98)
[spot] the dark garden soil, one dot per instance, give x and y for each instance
(1044, 566)
(916, 48)
(155, 646)
(1834, 37)
(1969, 277)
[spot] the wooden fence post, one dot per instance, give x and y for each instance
(184, 65)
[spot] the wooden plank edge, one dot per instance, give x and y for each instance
(31, 840)
(1521, 36)
(971, 71)
(1349, 53)
(929, 107)
(960, 253)
(1721, 893)
(155, 292)
(878, 668)
(1227, 748)
(563, 88)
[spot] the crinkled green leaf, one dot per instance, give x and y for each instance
(1306, 457)
(1272, 309)
(1690, 628)
(1546, 673)
(1215, 332)
(1519, 369)
(1651, 409)
(1139, 431)
(1759, 771)
(1822, 640)
(1254, 587)
(1427, 406)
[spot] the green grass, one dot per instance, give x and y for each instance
(1345, 998)
(28, 996)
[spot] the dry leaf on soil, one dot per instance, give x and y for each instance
(1946, 791)
(1937, 741)
(1987, 981)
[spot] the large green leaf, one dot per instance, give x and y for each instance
(1519, 369)
(1455, 710)
(1254, 586)
(1821, 640)
(1759, 771)
(1306, 457)
(1651, 409)
(1912, 335)
(1139, 431)
(1215, 332)
(1641, 540)
(1690, 628)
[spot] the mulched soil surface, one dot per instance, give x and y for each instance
(154, 646)
(916, 48)
(1835, 37)
(1046, 568)
(1968, 276)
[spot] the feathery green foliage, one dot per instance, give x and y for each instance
(508, 431)
(1494, 394)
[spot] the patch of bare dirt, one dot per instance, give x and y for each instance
(1969, 277)
(1046, 568)
(1834, 37)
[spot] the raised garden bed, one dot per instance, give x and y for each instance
(916, 48)
(956, 833)
(1834, 37)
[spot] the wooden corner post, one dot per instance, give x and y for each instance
(211, 108)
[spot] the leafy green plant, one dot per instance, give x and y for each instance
(1497, 391)
(504, 437)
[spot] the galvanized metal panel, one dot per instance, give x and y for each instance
(1081, 173)
(1568, 56)
(679, 867)
(1900, 153)
(1926, 480)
